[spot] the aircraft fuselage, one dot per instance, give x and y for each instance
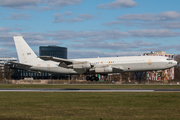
(126, 64)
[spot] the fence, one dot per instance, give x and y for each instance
(51, 81)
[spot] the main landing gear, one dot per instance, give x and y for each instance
(92, 78)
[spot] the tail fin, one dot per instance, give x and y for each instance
(25, 53)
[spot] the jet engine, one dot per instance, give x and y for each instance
(103, 69)
(80, 65)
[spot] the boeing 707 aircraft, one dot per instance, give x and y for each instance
(89, 66)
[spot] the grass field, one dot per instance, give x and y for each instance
(91, 86)
(89, 106)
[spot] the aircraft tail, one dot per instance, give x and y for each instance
(25, 53)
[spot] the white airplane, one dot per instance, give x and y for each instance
(89, 66)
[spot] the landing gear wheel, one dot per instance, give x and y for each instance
(88, 78)
(93, 78)
(96, 78)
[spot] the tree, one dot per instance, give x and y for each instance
(8, 72)
(1, 73)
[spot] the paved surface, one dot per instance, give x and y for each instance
(89, 90)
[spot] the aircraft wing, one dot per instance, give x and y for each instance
(20, 65)
(55, 59)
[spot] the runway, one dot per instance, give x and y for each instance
(89, 90)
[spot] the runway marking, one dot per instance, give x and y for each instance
(89, 90)
(86, 90)
(116, 90)
(76, 90)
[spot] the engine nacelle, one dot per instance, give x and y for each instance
(80, 65)
(103, 69)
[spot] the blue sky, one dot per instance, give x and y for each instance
(92, 28)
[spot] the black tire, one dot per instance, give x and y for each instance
(96, 78)
(87, 78)
(93, 78)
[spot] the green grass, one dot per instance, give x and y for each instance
(91, 86)
(89, 106)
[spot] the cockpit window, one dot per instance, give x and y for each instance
(169, 59)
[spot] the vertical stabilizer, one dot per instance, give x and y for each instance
(25, 53)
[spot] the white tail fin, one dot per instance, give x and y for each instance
(25, 53)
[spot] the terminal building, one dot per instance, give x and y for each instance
(4, 60)
(5, 72)
(55, 51)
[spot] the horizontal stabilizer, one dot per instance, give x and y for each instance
(21, 65)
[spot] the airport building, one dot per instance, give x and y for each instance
(4, 60)
(5, 72)
(55, 51)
